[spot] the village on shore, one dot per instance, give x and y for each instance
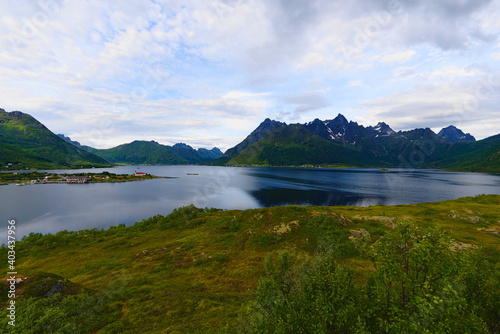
(32, 178)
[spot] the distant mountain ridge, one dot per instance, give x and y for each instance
(27, 143)
(151, 153)
(341, 142)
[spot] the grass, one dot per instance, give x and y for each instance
(195, 270)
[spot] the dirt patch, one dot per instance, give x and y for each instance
(344, 220)
(468, 216)
(470, 219)
(258, 216)
(376, 218)
(457, 245)
(355, 234)
(185, 261)
(493, 230)
(285, 227)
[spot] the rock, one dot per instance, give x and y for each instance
(493, 230)
(355, 234)
(473, 220)
(58, 287)
(457, 245)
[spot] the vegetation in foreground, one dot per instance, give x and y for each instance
(429, 267)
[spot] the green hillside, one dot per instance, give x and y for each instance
(480, 156)
(142, 152)
(26, 143)
(197, 271)
(153, 153)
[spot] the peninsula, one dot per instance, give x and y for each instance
(50, 178)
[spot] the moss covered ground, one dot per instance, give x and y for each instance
(195, 270)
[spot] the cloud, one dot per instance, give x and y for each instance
(495, 55)
(298, 105)
(444, 24)
(451, 72)
(471, 104)
(400, 57)
(139, 68)
(166, 120)
(354, 83)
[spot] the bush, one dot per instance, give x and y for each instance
(333, 236)
(421, 284)
(83, 313)
(315, 296)
(416, 286)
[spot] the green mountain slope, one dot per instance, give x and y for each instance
(195, 156)
(206, 154)
(25, 140)
(479, 156)
(195, 271)
(142, 152)
(153, 153)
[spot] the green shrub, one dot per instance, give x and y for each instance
(421, 284)
(315, 296)
(332, 235)
(264, 240)
(83, 313)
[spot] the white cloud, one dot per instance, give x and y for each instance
(355, 83)
(446, 73)
(495, 55)
(400, 57)
(468, 104)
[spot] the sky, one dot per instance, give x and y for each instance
(208, 72)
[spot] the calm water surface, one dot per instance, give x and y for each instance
(54, 207)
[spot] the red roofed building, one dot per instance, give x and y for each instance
(139, 174)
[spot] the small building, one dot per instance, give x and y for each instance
(139, 174)
(77, 179)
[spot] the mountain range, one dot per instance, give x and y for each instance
(153, 153)
(27, 143)
(346, 143)
(334, 142)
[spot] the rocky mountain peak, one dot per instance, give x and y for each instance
(452, 134)
(382, 129)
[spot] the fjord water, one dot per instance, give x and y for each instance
(49, 208)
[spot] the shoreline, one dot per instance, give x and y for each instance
(37, 178)
(333, 166)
